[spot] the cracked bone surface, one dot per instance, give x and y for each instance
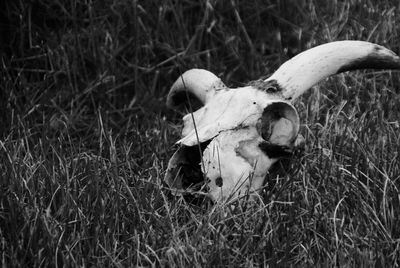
(231, 141)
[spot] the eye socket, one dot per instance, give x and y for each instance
(270, 115)
(279, 123)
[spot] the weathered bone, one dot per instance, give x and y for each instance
(244, 131)
(230, 109)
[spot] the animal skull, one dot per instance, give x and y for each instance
(230, 143)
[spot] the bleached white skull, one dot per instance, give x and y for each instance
(230, 143)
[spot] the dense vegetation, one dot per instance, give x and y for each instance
(85, 135)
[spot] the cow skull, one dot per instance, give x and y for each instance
(230, 143)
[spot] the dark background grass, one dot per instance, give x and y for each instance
(85, 135)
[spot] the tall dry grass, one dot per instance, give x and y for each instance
(85, 135)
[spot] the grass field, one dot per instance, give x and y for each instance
(85, 136)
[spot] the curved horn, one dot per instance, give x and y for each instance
(195, 84)
(303, 71)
